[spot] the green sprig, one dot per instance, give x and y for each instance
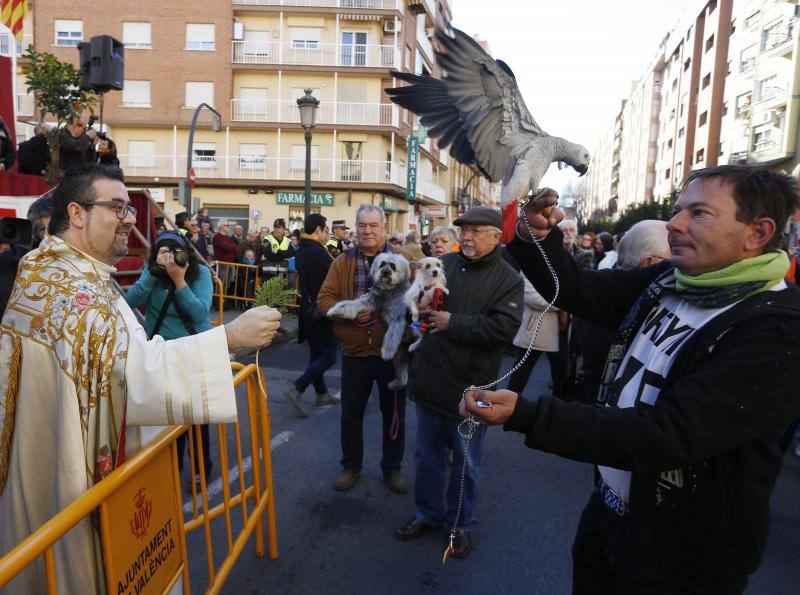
(276, 293)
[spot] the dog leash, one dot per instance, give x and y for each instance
(468, 427)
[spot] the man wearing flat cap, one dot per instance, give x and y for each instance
(463, 347)
(339, 242)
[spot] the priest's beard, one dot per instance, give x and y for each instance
(108, 251)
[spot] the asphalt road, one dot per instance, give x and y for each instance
(528, 508)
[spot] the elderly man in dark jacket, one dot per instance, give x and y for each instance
(463, 348)
(313, 261)
(698, 385)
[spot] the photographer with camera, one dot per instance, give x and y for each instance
(176, 290)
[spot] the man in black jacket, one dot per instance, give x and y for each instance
(464, 348)
(313, 261)
(33, 154)
(698, 386)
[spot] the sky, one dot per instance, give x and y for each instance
(574, 60)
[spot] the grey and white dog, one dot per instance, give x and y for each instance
(391, 277)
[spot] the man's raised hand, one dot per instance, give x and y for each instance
(503, 403)
(253, 329)
(542, 213)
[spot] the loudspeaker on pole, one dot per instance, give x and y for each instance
(102, 61)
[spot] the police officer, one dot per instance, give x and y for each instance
(340, 241)
(277, 250)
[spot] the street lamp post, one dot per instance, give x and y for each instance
(216, 126)
(308, 105)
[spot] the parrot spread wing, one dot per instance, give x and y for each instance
(476, 109)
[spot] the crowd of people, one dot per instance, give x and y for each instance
(650, 342)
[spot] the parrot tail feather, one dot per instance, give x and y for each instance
(510, 213)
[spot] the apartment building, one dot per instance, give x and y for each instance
(251, 60)
(762, 92)
(692, 107)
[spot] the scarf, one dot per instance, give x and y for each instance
(363, 280)
(716, 289)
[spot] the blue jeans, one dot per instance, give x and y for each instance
(358, 375)
(435, 433)
(320, 360)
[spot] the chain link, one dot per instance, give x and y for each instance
(468, 427)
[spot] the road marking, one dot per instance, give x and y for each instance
(233, 473)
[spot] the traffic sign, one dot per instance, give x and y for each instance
(191, 178)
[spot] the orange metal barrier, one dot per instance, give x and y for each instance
(123, 480)
(239, 283)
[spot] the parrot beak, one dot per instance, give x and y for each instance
(582, 169)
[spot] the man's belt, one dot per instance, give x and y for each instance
(613, 500)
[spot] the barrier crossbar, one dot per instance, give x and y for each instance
(259, 494)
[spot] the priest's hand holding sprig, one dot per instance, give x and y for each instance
(253, 329)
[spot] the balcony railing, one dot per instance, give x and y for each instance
(318, 54)
(364, 114)
(747, 65)
(771, 93)
(425, 187)
(363, 4)
(768, 144)
(258, 167)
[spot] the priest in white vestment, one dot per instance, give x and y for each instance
(77, 371)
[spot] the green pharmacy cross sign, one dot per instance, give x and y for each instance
(319, 199)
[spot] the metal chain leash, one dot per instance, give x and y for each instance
(467, 428)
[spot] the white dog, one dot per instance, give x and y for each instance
(390, 281)
(429, 276)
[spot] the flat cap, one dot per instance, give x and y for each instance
(481, 216)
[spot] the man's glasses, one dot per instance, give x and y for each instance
(120, 208)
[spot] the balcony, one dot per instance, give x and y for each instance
(427, 188)
(318, 54)
(348, 4)
(747, 65)
(353, 114)
(257, 167)
(772, 92)
(425, 44)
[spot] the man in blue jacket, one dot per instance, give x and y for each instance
(698, 387)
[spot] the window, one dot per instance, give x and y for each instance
(703, 119)
(706, 80)
(669, 144)
(200, 37)
(256, 44)
(235, 215)
(774, 35)
(352, 154)
(252, 156)
(305, 38)
(197, 93)
(354, 48)
(253, 105)
(747, 58)
(766, 88)
(141, 153)
(204, 155)
(299, 159)
(724, 109)
(667, 173)
(68, 32)
(762, 137)
(752, 19)
(709, 43)
(742, 104)
(136, 35)
(136, 94)
(701, 155)
(680, 133)
(687, 64)
(712, 6)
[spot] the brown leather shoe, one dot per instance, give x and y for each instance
(346, 479)
(412, 529)
(462, 544)
(396, 481)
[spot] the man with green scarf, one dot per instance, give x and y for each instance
(698, 386)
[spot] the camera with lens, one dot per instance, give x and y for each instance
(15, 231)
(181, 256)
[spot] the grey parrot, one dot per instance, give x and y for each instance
(476, 109)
